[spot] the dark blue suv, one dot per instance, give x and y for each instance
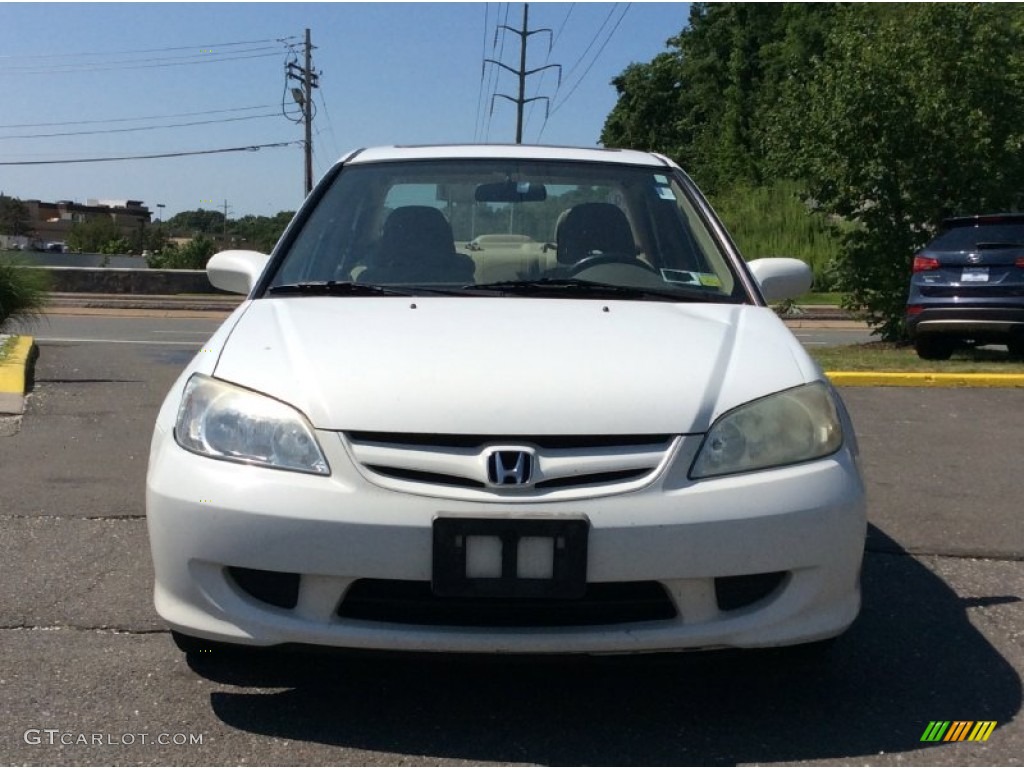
(967, 286)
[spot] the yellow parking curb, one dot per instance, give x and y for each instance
(14, 375)
(881, 379)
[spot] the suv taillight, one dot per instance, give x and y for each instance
(1019, 262)
(924, 263)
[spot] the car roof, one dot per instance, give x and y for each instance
(983, 218)
(507, 151)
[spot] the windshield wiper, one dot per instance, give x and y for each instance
(349, 288)
(335, 288)
(983, 246)
(557, 287)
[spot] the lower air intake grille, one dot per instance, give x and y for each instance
(413, 602)
(734, 592)
(272, 587)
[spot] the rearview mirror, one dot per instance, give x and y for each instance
(511, 192)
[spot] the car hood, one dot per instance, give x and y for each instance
(511, 366)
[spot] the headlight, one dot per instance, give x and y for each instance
(223, 421)
(785, 428)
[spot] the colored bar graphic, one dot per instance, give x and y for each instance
(935, 731)
(958, 730)
(982, 730)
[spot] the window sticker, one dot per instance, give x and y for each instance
(680, 276)
(709, 279)
(665, 193)
(660, 179)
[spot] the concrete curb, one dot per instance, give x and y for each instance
(15, 375)
(879, 379)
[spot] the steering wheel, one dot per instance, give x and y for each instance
(609, 258)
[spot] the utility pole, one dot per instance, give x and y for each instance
(522, 73)
(225, 233)
(309, 80)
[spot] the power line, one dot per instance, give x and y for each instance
(133, 119)
(483, 70)
(72, 66)
(77, 70)
(251, 148)
(136, 128)
(593, 40)
(594, 60)
(493, 80)
(330, 124)
(554, 42)
(142, 50)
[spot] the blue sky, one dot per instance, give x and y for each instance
(406, 73)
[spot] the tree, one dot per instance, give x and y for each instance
(94, 235)
(14, 216)
(199, 221)
(706, 101)
(192, 255)
(915, 113)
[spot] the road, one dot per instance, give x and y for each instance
(941, 635)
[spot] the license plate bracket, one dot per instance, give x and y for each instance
(974, 275)
(454, 537)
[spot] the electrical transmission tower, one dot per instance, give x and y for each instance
(522, 73)
(303, 96)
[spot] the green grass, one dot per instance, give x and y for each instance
(774, 221)
(6, 347)
(830, 299)
(888, 357)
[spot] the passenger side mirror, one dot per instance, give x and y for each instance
(781, 279)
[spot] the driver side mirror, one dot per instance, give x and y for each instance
(236, 271)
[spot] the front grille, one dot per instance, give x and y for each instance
(271, 587)
(597, 478)
(413, 602)
(416, 476)
(735, 592)
(557, 463)
(554, 442)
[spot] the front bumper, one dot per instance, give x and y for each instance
(205, 516)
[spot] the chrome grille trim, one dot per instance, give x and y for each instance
(455, 466)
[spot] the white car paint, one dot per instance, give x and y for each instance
(480, 365)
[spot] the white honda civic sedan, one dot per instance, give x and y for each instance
(505, 399)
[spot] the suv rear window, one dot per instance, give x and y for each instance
(967, 238)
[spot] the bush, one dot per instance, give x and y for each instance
(22, 291)
(194, 255)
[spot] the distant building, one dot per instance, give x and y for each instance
(52, 222)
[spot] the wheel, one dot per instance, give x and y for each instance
(934, 347)
(609, 258)
(1016, 348)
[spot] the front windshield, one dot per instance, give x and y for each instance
(467, 225)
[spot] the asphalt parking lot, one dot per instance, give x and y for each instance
(941, 635)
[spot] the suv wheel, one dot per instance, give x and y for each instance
(934, 347)
(1016, 348)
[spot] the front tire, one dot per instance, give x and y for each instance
(934, 347)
